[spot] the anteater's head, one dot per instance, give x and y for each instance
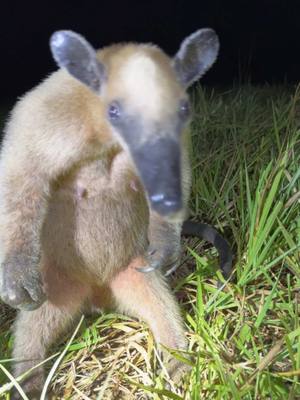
(144, 92)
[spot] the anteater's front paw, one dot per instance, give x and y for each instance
(164, 256)
(21, 284)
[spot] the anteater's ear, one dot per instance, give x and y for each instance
(196, 55)
(72, 52)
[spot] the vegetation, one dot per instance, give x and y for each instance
(244, 340)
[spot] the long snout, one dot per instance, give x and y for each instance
(159, 165)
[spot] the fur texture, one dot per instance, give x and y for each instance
(75, 220)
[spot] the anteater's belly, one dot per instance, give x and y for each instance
(96, 226)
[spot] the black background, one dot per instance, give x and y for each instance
(260, 40)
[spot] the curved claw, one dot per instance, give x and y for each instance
(148, 268)
(171, 270)
(174, 266)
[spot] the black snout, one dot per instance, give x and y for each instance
(159, 166)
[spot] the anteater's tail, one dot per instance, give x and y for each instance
(208, 233)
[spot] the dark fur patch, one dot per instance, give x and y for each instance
(72, 52)
(196, 55)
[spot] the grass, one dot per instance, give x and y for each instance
(244, 340)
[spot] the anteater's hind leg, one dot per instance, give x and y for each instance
(147, 297)
(36, 330)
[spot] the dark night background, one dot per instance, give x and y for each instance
(260, 40)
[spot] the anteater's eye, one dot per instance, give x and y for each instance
(184, 109)
(114, 111)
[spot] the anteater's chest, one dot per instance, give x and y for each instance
(101, 215)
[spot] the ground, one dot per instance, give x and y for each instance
(243, 340)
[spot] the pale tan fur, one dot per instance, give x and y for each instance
(123, 66)
(70, 187)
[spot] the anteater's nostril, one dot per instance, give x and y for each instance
(171, 204)
(157, 198)
(165, 205)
